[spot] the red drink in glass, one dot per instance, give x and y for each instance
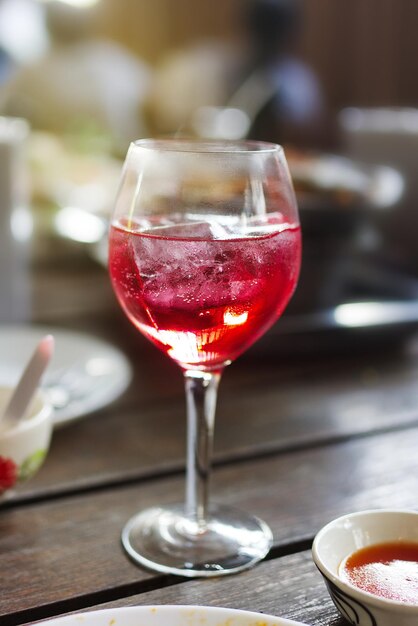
(204, 296)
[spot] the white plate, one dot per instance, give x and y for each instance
(170, 616)
(84, 375)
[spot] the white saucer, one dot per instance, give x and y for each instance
(84, 375)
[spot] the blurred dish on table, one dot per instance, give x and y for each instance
(342, 181)
(85, 373)
(347, 328)
(360, 303)
(337, 196)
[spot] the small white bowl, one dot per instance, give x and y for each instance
(169, 615)
(349, 533)
(23, 447)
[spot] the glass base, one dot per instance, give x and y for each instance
(163, 539)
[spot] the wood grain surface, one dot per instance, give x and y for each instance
(68, 550)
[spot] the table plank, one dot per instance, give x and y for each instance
(289, 587)
(68, 551)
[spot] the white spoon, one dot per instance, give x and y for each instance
(28, 383)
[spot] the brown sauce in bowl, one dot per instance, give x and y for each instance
(388, 570)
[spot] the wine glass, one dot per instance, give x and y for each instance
(204, 254)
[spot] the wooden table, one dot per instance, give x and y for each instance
(301, 438)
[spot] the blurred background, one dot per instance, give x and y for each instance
(333, 81)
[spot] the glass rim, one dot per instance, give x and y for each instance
(208, 146)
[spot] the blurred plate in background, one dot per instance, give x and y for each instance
(85, 373)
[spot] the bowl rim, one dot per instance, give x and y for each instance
(262, 618)
(349, 589)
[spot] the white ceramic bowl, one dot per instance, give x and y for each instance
(23, 447)
(166, 615)
(349, 533)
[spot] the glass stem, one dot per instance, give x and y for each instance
(201, 395)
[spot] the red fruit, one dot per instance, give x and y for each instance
(8, 473)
